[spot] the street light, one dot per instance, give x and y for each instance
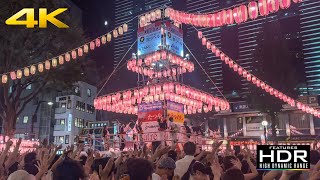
(106, 23)
(265, 124)
(50, 103)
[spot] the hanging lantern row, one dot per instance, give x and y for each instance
(168, 91)
(237, 15)
(256, 81)
(237, 133)
(149, 61)
(61, 59)
(120, 108)
(150, 17)
(157, 74)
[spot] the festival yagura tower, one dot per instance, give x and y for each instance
(160, 66)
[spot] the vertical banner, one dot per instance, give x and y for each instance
(174, 39)
(149, 38)
(176, 111)
(148, 114)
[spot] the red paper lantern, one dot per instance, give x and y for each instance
(222, 56)
(236, 15)
(285, 4)
(273, 5)
(235, 67)
(92, 45)
(213, 49)
(263, 7)
(253, 10)
(218, 20)
(230, 19)
(208, 45)
(204, 41)
(226, 60)
(240, 70)
(80, 53)
(243, 13)
(212, 21)
(217, 52)
(223, 17)
(248, 77)
(164, 55)
(297, 1)
(97, 42)
(258, 83)
(230, 63)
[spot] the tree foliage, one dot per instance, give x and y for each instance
(22, 47)
(275, 66)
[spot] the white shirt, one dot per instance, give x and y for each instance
(155, 177)
(182, 165)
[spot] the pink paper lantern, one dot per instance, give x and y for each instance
(263, 7)
(273, 5)
(230, 19)
(253, 10)
(285, 4)
(243, 10)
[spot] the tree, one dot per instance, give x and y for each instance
(21, 47)
(275, 65)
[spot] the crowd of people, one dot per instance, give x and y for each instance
(165, 163)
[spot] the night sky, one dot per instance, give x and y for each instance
(95, 13)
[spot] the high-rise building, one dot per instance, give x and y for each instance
(310, 31)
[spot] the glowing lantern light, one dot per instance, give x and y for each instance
(240, 70)
(253, 10)
(273, 5)
(80, 52)
(218, 20)
(297, 1)
(158, 14)
(285, 4)
(208, 45)
(263, 7)
(236, 15)
(217, 52)
(204, 41)
(125, 27)
(153, 16)
(223, 17)
(213, 49)
(54, 62)
(92, 45)
(200, 34)
(243, 13)
(47, 65)
(4, 78)
(120, 30)
(229, 17)
(67, 57)
(235, 67)
(19, 74)
(248, 77)
(103, 39)
(85, 48)
(73, 54)
(13, 75)
(212, 20)
(142, 21)
(109, 37)
(61, 60)
(115, 33)
(33, 70)
(97, 42)
(40, 68)
(254, 80)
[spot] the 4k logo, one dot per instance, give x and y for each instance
(44, 17)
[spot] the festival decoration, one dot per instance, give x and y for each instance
(259, 83)
(65, 57)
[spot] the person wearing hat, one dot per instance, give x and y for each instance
(165, 167)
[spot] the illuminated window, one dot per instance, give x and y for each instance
(25, 119)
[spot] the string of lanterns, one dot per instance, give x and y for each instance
(146, 66)
(240, 131)
(195, 101)
(254, 80)
(293, 130)
(238, 14)
(65, 57)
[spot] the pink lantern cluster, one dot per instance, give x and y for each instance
(240, 131)
(237, 15)
(150, 17)
(193, 99)
(256, 81)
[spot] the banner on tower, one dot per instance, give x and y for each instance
(149, 38)
(176, 111)
(174, 39)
